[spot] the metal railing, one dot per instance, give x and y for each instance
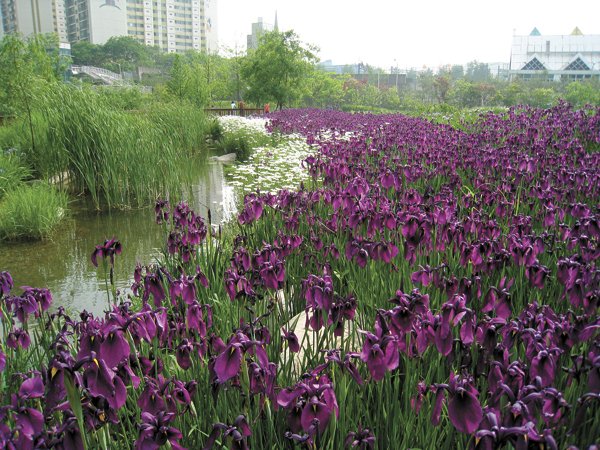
(105, 75)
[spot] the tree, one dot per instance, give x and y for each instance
(457, 71)
(425, 86)
(87, 54)
(26, 67)
(324, 90)
(580, 93)
(477, 71)
(124, 53)
(465, 94)
(441, 84)
(178, 83)
(278, 69)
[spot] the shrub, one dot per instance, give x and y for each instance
(215, 130)
(31, 211)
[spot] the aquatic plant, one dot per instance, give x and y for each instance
(31, 211)
(466, 261)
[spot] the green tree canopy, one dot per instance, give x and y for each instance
(278, 69)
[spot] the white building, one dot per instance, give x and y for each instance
(555, 57)
(34, 16)
(96, 21)
(174, 25)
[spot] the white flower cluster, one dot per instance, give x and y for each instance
(268, 169)
(236, 123)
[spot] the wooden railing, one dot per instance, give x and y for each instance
(246, 112)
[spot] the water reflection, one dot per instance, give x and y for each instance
(63, 263)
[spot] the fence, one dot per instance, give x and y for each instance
(246, 112)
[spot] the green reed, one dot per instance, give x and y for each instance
(31, 211)
(119, 159)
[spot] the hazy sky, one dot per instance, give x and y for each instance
(413, 33)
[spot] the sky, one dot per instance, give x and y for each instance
(408, 33)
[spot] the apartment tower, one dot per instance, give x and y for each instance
(174, 25)
(34, 16)
(171, 25)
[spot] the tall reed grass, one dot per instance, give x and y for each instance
(119, 158)
(31, 211)
(12, 171)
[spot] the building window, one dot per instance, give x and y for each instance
(578, 64)
(534, 64)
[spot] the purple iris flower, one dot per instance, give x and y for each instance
(18, 338)
(237, 433)
(543, 365)
(102, 381)
(183, 352)
(28, 421)
(464, 409)
(292, 340)
(155, 431)
(162, 210)
(108, 249)
(114, 347)
(498, 299)
(153, 284)
(228, 363)
(32, 388)
(22, 306)
(491, 434)
(380, 350)
(363, 439)
(311, 398)
(6, 284)
(195, 318)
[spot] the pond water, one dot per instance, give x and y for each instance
(63, 264)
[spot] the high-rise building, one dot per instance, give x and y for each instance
(258, 29)
(34, 16)
(96, 21)
(174, 25)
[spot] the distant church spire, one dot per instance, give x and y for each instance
(276, 26)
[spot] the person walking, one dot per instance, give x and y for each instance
(232, 104)
(267, 108)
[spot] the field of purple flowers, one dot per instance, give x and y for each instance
(431, 288)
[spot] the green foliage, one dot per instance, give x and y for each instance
(278, 69)
(118, 158)
(85, 53)
(242, 142)
(215, 130)
(26, 67)
(477, 71)
(237, 143)
(323, 90)
(543, 97)
(119, 54)
(12, 172)
(31, 212)
(187, 82)
(581, 93)
(124, 98)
